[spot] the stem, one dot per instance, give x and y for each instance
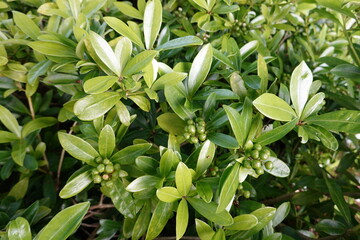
(31, 106)
(279, 199)
(62, 156)
(351, 46)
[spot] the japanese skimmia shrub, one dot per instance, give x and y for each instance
(194, 119)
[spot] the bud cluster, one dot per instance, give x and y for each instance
(241, 191)
(256, 157)
(105, 172)
(239, 27)
(180, 13)
(195, 131)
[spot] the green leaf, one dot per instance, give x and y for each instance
(281, 212)
(122, 199)
(6, 136)
(223, 140)
(167, 161)
(19, 229)
(199, 69)
(180, 43)
(182, 219)
(280, 169)
(96, 105)
(161, 215)
(171, 123)
(205, 158)
(152, 22)
(64, 223)
(246, 119)
(276, 133)
(139, 62)
(312, 106)
(168, 194)
(54, 49)
(339, 121)
(248, 49)
(9, 121)
(37, 70)
(229, 188)
(203, 230)
(175, 96)
(19, 151)
(142, 102)
(99, 84)
(331, 227)
(202, 3)
(337, 197)
(300, 83)
(128, 10)
(18, 191)
(147, 164)
(123, 113)
(274, 107)
(106, 141)
(236, 125)
(142, 222)
(168, 79)
(26, 25)
(347, 71)
(262, 73)
(105, 53)
(123, 50)
(243, 222)
(205, 191)
(322, 134)
(37, 124)
(76, 185)
(219, 235)
(183, 179)
(78, 148)
(208, 210)
(143, 183)
(127, 156)
(120, 27)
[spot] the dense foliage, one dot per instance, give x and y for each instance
(216, 119)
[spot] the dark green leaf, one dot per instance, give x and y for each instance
(223, 140)
(122, 199)
(37, 124)
(159, 219)
(106, 141)
(331, 227)
(128, 155)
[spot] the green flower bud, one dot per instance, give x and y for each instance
(259, 171)
(117, 166)
(257, 146)
(200, 129)
(246, 194)
(109, 184)
(192, 129)
(109, 168)
(247, 164)
(269, 165)
(198, 119)
(98, 160)
(263, 156)
(202, 137)
(249, 145)
(97, 178)
(101, 168)
(105, 177)
(255, 154)
(187, 135)
(107, 161)
(190, 122)
(194, 140)
(94, 172)
(256, 164)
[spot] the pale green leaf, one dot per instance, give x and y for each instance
(9, 121)
(19, 229)
(168, 194)
(203, 230)
(76, 185)
(243, 222)
(26, 25)
(229, 187)
(99, 84)
(106, 141)
(182, 219)
(152, 22)
(183, 179)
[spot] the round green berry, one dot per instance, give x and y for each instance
(190, 122)
(191, 129)
(240, 187)
(259, 171)
(202, 137)
(266, 151)
(247, 164)
(94, 172)
(194, 139)
(101, 168)
(200, 129)
(117, 167)
(198, 119)
(263, 156)
(98, 160)
(107, 161)
(249, 145)
(97, 178)
(256, 164)
(257, 146)
(246, 194)
(109, 168)
(213, 173)
(255, 154)
(202, 123)
(187, 135)
(269, 165)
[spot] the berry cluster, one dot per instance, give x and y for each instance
(195, 130)
(239, 27)
(241, 191)
(105, 172)
(256, 157)
(180, 13)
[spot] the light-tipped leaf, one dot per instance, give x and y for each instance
(152, 22)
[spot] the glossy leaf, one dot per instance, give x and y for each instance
(143, 183)
(99, 84)
(331, 227)
(300, 84)
(347, 71)
(26, 25)
(96, 105)
(159, 219)
(236, 125)
(199, 69)
(78, 148)
(39, 69)
(6, 136)
(128, 10)
(19, 151)
(223, 140)
(276, 133)
(53, 49)
(182, 219)
(9, 121)
(171, 123)
(123, 50)
(322, 134)
(19, 229)
(248, 49)
(122, 199)
(281, 213)
(262, 73)
(339, 121)
(36, 124)
(168, 194)
(274, 107)
(123, 113)
(18, 191)
(180, 42)
(280, 169)
(205, 191)
(106, 141)
(312, 106)
(168, 161)
(76, 185)
(183, 179)
(246, 119)
(175, 96)
(219, 235)
(152, 22)
(206, 157)
(64, 223)
(203, 230)
(168, 79)
(142, 222)
(229, 187)
(243, 222)
(208, 210)
(129, 154)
